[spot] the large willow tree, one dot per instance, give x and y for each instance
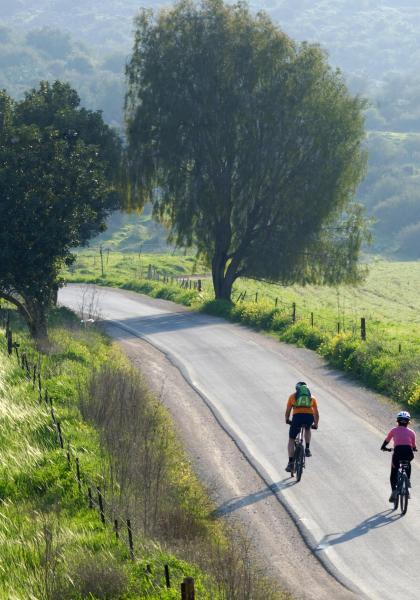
(248, 145)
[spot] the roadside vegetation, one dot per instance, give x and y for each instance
(53, 546)
(389, 359)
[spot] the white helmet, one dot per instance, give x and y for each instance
(403, 415)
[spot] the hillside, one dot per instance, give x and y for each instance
(374, 43)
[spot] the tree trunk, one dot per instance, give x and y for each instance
(36, 319)
(223, 279)
(38, 330)
(34, 314)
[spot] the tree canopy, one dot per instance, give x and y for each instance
(57, 173)
(248, 145)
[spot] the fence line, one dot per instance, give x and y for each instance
(32, 372)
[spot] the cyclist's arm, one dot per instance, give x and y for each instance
(289, 408)
(315, 411)
(384, 444)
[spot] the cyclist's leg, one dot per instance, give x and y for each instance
(308, 421)
(395, 461)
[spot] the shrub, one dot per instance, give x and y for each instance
(259, 316)
(303, 334)
(218, 308)
(98, 576)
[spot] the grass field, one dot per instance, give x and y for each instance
(389, 299)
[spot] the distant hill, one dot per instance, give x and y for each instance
(374, 42)
(133, 233)
(370, 38)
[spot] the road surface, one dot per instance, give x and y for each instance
(340, 505)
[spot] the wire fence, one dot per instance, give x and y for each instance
(118, 524)
(363, 327)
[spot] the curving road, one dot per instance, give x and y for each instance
(341, 503)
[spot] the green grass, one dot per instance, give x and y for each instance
(120, 267)
(48, 535)
(389, 361)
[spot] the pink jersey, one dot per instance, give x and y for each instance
(402, 436)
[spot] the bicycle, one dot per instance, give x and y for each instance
(299, 455)
(402, 490)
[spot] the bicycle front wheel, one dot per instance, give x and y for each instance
(299, 462)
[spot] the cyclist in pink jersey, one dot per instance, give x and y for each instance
(404, 440)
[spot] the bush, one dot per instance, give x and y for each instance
(218, 308)
(98, 576)
(303, 334)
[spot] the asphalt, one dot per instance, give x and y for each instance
(244, 378)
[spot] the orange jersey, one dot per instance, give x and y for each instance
(302, 409)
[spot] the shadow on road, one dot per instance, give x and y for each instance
(240, 502)
(158, 323)
(382, 519)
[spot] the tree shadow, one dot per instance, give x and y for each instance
(162, 323)
(376, 521)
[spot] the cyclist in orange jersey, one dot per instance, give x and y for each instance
(305, 413)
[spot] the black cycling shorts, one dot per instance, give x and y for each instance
(298, 420)
(401, 453)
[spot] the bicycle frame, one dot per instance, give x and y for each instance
(402, 494)
(299, 455)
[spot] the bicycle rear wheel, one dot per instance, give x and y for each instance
(404, 497)
(299, 462)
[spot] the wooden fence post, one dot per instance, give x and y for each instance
(256, 296)
(90, 499)
(68, 455)
(363, 328)
(275, 302)
(79, 481)
(130, 539)
(188, 589)
(167, 577)
(199, 285)
(294, 312)
(60, 435)
(117, 534)
(101, 505)
(9, 342)
(312, 319)
(338, 327)
(399, 347)
(102, 260)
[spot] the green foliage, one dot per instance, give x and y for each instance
(49, 54)
(266, 190)
(58, 167)
(52, 545)
(133, 232)
(390, 192)
(373, 43)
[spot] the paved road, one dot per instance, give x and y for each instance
(341, 503)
